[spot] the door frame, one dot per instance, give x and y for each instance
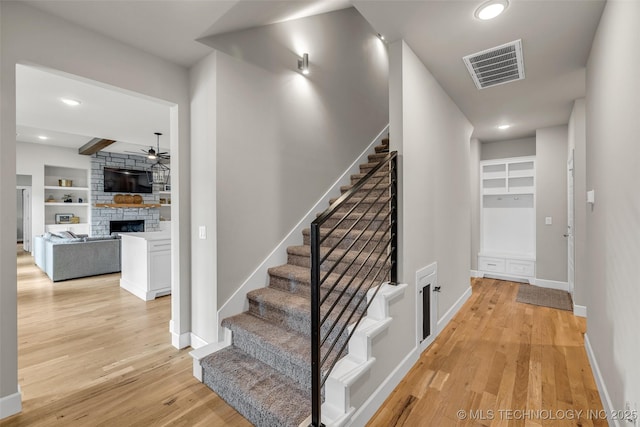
(571, 253)
(27, 214)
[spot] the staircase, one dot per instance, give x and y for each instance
(264, 372)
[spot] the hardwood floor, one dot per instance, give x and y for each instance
(501, 363)
(91, 354)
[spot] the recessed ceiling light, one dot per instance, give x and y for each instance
(381, 37)
(503, 127)
(491, 9)
(43, 137)
(71, 102)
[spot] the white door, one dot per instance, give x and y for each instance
(570, 220)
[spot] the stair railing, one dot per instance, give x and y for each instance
(362, 241)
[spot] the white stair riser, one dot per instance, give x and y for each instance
(360, 358)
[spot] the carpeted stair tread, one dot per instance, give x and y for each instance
(366, 167)
(382, 149)
(377, 157)
(286, 350)
(361, 200)
(374, 213)
(376, 176)
(368, 190)
(256, 390)
(303, 252)
(297, 278)
(340, 232)
(289, 311)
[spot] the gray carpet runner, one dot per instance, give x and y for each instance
(265, 374)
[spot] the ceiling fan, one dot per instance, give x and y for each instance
(154, 154)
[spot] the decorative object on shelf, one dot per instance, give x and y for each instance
(65, 182)
(67, 198)
(74, 220)
(158, 173)
(80, 200)
(128, 199)
(137, 199)
(118, 198)
(50, 199)
(163, 201)
(167, 187)
(63, 218)
(169, 201)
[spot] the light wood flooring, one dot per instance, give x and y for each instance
(91, 354)
(512, 364)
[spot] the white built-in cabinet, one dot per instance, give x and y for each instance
(54, 199)
(146, 264)
(508, 218)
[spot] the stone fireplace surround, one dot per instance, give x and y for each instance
(101, 217)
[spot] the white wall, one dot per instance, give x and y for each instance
(30, 36)
(613, 225)
(204, 302)
(435, 179)
(551, 201)
(508, 148)
(578, 143)
(281, 139)
(30, 160)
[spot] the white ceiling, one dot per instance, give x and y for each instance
(556, 37)
(105, 112)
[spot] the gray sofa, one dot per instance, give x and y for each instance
(64, 259)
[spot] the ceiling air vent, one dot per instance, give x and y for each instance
(495, 66)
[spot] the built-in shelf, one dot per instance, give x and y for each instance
(80, 195)
(127, 205)
(57, 187)
(165, 204)
(508, 218)
(65, 204)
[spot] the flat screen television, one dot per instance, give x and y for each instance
(126, 181)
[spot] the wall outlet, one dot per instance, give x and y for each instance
(202, 232)
(548, 220)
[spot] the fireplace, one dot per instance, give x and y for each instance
(127, 226)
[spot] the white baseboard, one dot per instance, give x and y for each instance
(197, 342)
(453, 310)
(11, 405)
(179, 340)
(475, 273)
(602, 388)
(377, 398)
(238, 301)
(552, 284)
(579, 310)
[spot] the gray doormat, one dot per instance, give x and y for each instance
(545, 297)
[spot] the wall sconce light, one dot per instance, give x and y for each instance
(303, 64)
